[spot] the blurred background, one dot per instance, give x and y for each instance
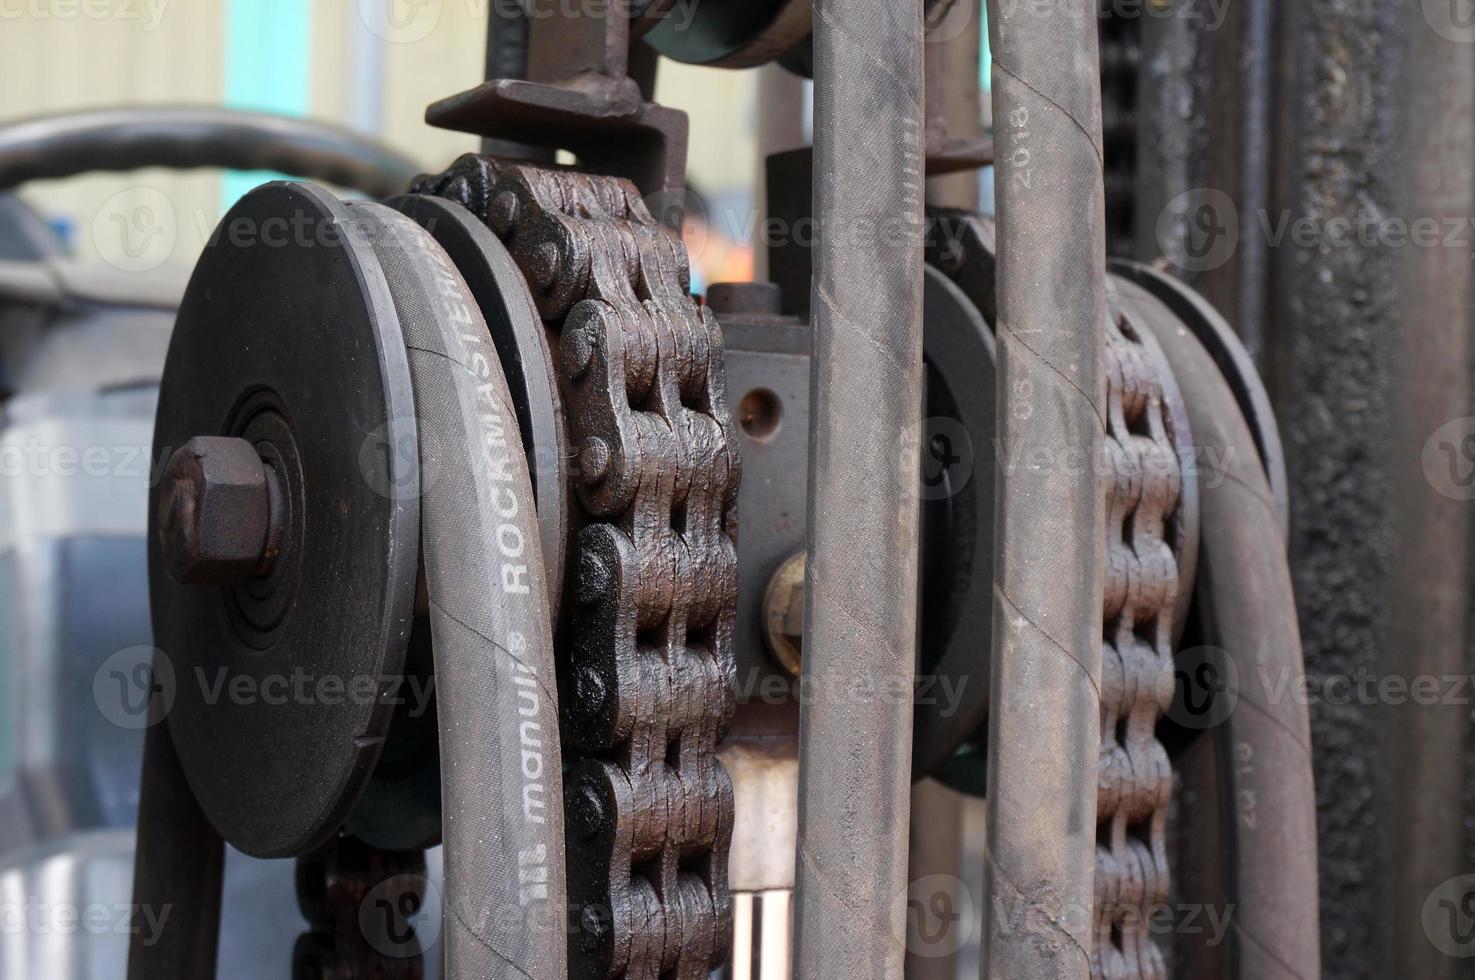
(350, 62)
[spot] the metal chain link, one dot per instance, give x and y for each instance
(648, 680)
(358, 901)
(1135, 781)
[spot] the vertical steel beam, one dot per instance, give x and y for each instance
(1423, 741)
(860, 625)
(1367, 349)
(1206, 115)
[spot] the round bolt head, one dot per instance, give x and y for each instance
(214, 512)
(783, 614)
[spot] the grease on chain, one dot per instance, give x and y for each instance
(1135, 782)
(358, 901)
(647, 677)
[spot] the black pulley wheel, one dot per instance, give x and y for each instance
(1245, 796)
(287, 337)
(957, 525)
(1211, 330)
(731, 33)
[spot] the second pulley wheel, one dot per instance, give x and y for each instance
(400, 807)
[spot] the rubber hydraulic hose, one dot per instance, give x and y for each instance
(1043, 732)
(860, 628)
(183, 893)
(187, 137)
(1252, 647)
(504, 898)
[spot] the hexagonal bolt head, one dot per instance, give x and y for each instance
(216, 512)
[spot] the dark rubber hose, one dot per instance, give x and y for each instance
(860, 629)
(504, 898)
(187, 137)
(178, 869)
(1260, 728)
(1044, 739)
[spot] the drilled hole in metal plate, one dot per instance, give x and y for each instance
(759, 413)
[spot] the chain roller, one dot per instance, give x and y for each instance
(648, 679)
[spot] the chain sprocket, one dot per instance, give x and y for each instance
(647, 677)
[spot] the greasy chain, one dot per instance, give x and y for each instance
(1143, 506)
(648, 680)
(359, 902)
(1135, 782)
